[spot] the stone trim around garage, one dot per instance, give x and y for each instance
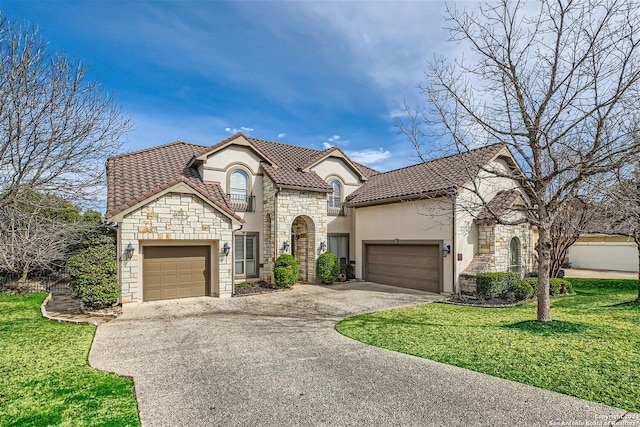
(174, 219)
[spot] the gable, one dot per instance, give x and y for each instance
(233, 154)
(333, 166)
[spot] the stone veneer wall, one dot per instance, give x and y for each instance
(291, 204)
(175, 217)
(494, 242)
(495, 239)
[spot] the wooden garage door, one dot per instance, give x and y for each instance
(407, 266)
(175, 272)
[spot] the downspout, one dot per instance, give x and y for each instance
(456, 281)
(275, 225)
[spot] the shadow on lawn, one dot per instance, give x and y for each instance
(548, 328)
(628, 305)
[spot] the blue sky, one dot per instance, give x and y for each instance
(306, 73)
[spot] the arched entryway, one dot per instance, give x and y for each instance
(302, 246)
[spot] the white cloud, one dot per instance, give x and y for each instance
(242, 129)
(281, 135)
(326, 145)
(369, 157)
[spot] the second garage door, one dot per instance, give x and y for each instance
(175, 272)
(407, 266)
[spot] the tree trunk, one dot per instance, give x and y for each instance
(638, 248)
(544, 259)
(22, 280)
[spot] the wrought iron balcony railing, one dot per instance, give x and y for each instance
(241, 202)
(334, 209)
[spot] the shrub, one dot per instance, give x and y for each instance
(93, 276)
(494, 285)
(560, 274)
(285, 271)
(559, 287)
(328, 268)
(532, 274)
(521, 290)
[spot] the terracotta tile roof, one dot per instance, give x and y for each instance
(294, 178)
(501, 203)
(139, 175)
(425, 178)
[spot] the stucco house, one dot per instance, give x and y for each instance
(601, 251)
(195, 220)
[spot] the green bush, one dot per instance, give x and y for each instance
(285, 271)
(559, 287)
(560, 274)
(532, 274)
(93, 276)
(494, 285)
(521, 290)
(328, 268)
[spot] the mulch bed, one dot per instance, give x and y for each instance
(256, 288)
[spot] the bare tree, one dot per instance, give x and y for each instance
(622, 214)
(56, 131)
(566, 229)
(556, 81)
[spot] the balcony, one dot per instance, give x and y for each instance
(336, 209)
(242, 202)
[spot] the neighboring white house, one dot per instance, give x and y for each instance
(604, 252)
(194, 220)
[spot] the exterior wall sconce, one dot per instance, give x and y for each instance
(128, 252)
(225, 249)
(446, 250)
(323, 246)
(285, 246)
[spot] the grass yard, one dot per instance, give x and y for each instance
(590, 350)
(44, 376)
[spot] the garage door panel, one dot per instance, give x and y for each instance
(409, 266)
(175, 272)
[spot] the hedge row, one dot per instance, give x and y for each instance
(509, 286)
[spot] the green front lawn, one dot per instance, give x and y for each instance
(44, 376)
(590, 350)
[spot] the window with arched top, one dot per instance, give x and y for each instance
(335, 198)
(239, 194)
(515, 254)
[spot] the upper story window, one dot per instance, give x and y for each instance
(334, 203)
(239, 185)
(335, 198)
(239, 195)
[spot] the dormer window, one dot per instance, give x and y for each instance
(239, 196)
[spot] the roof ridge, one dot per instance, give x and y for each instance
(284, 143)
(144, 150)
(442, 158)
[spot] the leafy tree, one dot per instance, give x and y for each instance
(557, 82)
(93, 271)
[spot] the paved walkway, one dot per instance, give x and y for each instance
(276, 360)
(61, 306)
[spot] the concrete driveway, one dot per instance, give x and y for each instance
(276, 360)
